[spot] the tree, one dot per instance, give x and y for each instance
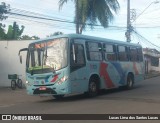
(55, 33)
(4, 9)
(90, 12)
(26, 37)
(14, 32)
(2, 31)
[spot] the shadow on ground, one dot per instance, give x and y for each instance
(79, 97)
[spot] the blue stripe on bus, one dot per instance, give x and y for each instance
(119, 69)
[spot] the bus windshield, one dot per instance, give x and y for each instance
(47, 56)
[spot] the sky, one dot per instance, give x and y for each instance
(147, 24)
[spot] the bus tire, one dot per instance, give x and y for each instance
(130, 82)
(19, 83)
(58, 97)
(13, 84)
(92, 88)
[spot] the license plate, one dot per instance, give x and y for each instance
(42, 88)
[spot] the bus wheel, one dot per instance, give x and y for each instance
(130, 82)
(93, 88)
(58, 97)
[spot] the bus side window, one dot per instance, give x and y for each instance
(78, 57)
(128, 53)
(94, 51)
(110, 52)
(139, 55)
(133, 54)
(122, 53)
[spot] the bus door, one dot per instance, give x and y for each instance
(110, 57)
(78, 67)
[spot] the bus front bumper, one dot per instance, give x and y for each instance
(42, 90)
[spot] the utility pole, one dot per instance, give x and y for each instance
(128, 33)
(77, 17)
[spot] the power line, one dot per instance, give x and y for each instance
(43, 18)
(33, 13)
(61, 26)
(155, 2)
(149, 27)
(66, 26)
(24, 13)
(54, 19)
(48, 24)
(145, 39)
(142, 41)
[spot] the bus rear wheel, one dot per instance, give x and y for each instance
(130, 82)
(93, 88)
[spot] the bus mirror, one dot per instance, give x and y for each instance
(20, 58)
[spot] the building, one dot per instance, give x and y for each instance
(9, 60)
(152, 60)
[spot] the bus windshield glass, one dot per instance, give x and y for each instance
(47, 56)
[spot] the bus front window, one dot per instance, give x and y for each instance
(48, 56)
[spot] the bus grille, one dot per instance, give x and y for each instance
(47, 91)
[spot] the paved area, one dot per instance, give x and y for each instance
(143, 99)
(152, 74)
(19, 95)
(11, 97)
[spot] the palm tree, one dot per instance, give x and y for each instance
(90, 12)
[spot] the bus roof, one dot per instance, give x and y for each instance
(93, 38)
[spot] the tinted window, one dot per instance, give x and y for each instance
(133, 54)
(122, 53)
(78, 56)
(94, 51)
(110, 52)
(139, 54)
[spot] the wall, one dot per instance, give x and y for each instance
(9, 60)
(153, 68)
(150, 67)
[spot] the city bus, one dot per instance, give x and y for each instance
(73, 63)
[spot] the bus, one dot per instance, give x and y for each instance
(73, 63)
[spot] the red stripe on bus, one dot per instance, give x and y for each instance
(104, 73)
(55, 78)
(135, 68)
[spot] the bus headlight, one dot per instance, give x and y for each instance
(28, 83)
(63, 79)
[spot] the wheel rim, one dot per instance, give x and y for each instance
(93, 87)
(130, 82)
